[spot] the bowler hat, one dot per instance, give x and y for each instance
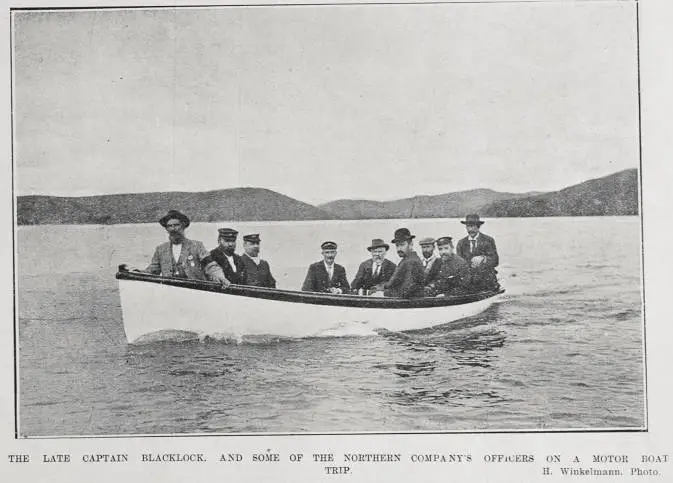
(328, 245)
(472, 220)
(402, 234)
(427, 241)
(227, 233)
(378, 243)
(252, 238)
(174, 215)
(444, 240)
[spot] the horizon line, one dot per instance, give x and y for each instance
(316, 204)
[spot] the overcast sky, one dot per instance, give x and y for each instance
(320, 103)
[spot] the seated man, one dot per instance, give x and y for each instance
(454, 273)
(478, 249)
(373, 273)
(181, 257)
(407, 280)
(431, 262)
(257, 271)
(231, 263)
(325, 275)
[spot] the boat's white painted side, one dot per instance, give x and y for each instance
(152, 307)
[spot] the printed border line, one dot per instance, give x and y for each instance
(163, 435)
(325, 4)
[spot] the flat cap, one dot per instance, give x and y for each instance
(328, 245)
(444, 240)
(227, 233)
(427, 241)
(253, 238)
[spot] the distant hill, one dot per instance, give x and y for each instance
(448, 205)
(616, 194)
(236, 204)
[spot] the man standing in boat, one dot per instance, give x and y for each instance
(407, 280)
(325, 275)
(431, 262)
(373, 273)
(257, 271)
(479, 250)
(181, 257)
(223, 254)
(454, 273)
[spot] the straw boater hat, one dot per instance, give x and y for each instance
(174, 215)
(378, 243)
(427, 241)
(402, 234)
(472, 220)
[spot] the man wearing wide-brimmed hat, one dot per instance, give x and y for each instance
(479, 250)
(407, 280)
(373, 273)
(325, 275)
(257, 271)
(231, 263)
(181, 257)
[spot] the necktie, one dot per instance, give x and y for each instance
(473, 245)
(377, 269)
(425, 262)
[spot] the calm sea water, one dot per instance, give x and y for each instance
(563, 350)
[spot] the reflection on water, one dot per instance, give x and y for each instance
(431, 369)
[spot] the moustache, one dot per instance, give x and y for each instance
(401, 253)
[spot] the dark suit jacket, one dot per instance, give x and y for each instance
(234, 277)
(257, 275)
(194, 262)
(432, 271)
(485, 247)
(365, 279)
(407, 281)
(454, 277)
(317, 279)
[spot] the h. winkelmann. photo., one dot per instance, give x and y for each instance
(327, 219)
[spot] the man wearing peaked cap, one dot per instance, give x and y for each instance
(373, 273)
(257, 271)
(407, 280)
(479, 250)
(431, 262)
(454, 273)
(181, 257)
(325, 275)
(225, 256)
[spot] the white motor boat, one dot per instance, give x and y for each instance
(152, 303)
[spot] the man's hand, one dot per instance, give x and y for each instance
(478, 261)
(335, 290)
(223, 280)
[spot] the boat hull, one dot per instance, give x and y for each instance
(154, 305)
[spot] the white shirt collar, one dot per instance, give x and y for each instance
(231, 262)
(177, 250)
(475, 236)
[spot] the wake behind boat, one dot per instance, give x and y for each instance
(152, 303)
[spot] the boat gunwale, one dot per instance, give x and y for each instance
(312, 298)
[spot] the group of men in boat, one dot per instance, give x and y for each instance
(470, 268)
(184, 258)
